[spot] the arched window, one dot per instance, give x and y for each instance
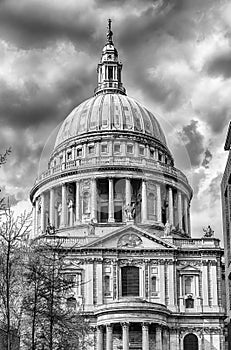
(71, 303)
(190, 342)
(153, 285)
(86, 203)
(130, 281)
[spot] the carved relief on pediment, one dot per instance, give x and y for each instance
(129, 240)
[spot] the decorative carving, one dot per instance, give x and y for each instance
(129, 241)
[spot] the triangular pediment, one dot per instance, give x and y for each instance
(131, 237)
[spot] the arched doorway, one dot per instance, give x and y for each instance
(190, 342)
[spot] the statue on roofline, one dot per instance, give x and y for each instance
(208, 232)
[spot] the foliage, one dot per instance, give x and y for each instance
(50, 322)
(14, 234)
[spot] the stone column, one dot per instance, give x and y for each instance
(52, 207)
(159, 344)
(145, 336)
(111, 201)
(166, 339)
(186, 214)
(93, 200)
(71, 211)
(170, 206)
(144, 201)
(180, 210)
(109, 338)
(36, 215)
(125, 336)
(159, 213)
(77, 202)
(42, 212)
(127, 191)
(64, 206)
(99, 344)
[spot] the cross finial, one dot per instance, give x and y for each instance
(109, 33)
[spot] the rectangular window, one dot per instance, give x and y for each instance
(104, 148)
(91, 149)
(153, 285)
(152, 153)
(107, 285)
(79, 152)
(130, 281)
(129, 148)
(188, 284)
(141, 151)
(110, 73)
(116, 148)
(68, 155)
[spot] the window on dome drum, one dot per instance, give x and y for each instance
(104, 148)
(91, 149)
(116, 148)
(152, 153)
(130, 281)
(141, 151)
(129, 148)
(106, 285)
(79, 152)
(159, 157)
(68, 155)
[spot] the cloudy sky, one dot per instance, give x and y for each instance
(176, 58)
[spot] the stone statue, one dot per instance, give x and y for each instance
(70, 204)
(130, 211)
(208, 232)
(91, 226)
(167, 229)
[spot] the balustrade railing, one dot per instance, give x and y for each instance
(112, 160)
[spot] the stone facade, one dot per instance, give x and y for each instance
(226, 210)
(113, 196)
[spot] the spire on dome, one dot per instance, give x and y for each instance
(109, 33)
(109, 68)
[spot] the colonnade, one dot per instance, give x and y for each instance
(160, 340)
(69, 210)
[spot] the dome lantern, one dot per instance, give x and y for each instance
(109, 69)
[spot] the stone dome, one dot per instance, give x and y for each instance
(110, 111)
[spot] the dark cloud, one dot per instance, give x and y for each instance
(207, 159)
(33, 102)
(220, 65)
(193, 140)
(216, 114)
(37, 23)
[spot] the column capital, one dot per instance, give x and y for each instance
(125, 324)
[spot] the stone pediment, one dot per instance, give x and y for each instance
(131, 237)
(189, 269)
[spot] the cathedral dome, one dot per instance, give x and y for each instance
(110, 112)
